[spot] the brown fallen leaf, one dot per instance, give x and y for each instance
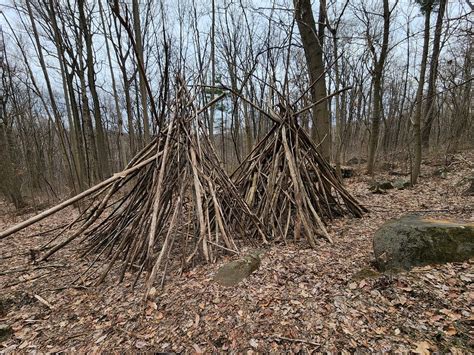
(451, 330)
(253, 343)
(422, 347)
(140, 344)
(197, 349)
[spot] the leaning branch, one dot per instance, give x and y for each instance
(74, 199)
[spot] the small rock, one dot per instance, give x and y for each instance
(470, 190)
(347, 172)
(5, 331)
(355, 161)
(232, 273)
(379, 187)
(401, 184)
(365, 274)
(386, 185)
(388, 166)
(5, 304)
(441, 172)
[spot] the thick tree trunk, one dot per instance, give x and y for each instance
(375, 128)
(313, 49)
(139, 48)
(89, 136)
(338, 133)
(213, 70)
(377, 87)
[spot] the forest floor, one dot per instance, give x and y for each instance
(300, 299)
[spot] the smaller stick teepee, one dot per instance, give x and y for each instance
(289, 186)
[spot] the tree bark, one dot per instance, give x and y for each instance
(73, 117)
(419, 100)
(213, 70)
(102, 153)
(121, 151)
(312, 40)
(428, 114)
(377, 87)
(57, 115)
(142, 84)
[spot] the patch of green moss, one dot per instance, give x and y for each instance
(5, 331)
(365, 273)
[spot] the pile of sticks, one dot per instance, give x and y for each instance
(175, 201)
(289, 186)
(173, 194)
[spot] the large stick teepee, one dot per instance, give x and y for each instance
(173, 194)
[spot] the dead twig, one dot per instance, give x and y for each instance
(303, 341)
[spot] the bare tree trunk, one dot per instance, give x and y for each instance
(139, 48)
(10, 184)
(122, 63)
(121, 151)
(377, 87)
(419, 100)
(74, 122)
(248, 128)
(338, 133)
(128, 104)
(404, 94)
(57, 116)
(428, 113)
(91, 148)
(103, 159)
(140, 141)
(313, 49)
(213, 70)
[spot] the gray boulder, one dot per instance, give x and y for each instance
(415, 240)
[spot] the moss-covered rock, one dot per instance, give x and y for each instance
(413, 240)
(470, 190)
(355, 161)
(380, 187)
(365, 274)
(5, 331)
(5, 304)
(234, 272)
(401, 184)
